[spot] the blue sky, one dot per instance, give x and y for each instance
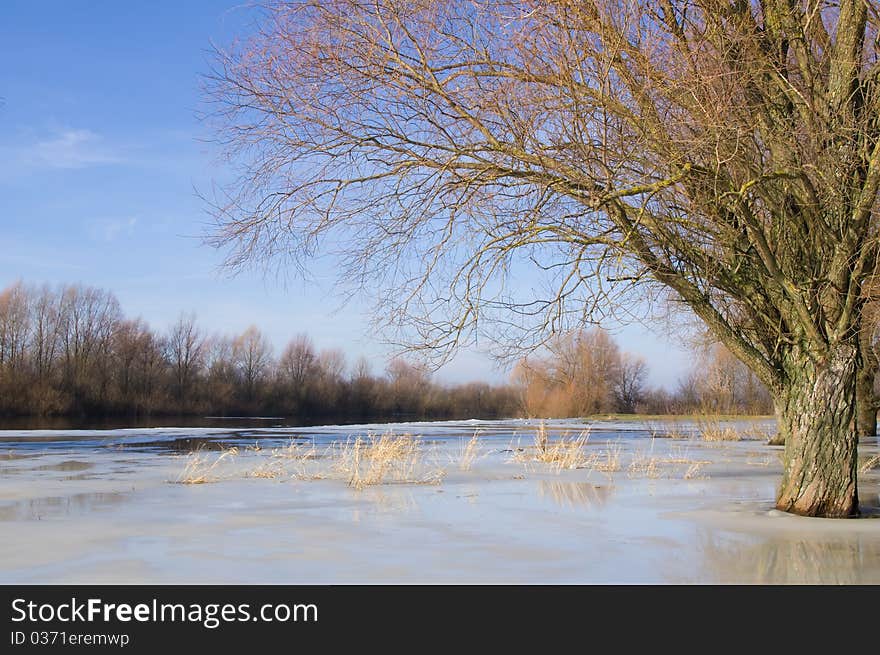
(101, 154)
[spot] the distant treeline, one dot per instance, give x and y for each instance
(70, 351)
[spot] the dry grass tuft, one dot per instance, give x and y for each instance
(668, 431)
(201, 469)
(609, 461)
(759, 433)
(870, 464)
(711, 430)
(297, 450)
(268, 470)
(693, 471)
(470, 452)
(564, 453)
(386, 459)
(542, 439)
(369, 461)
(305, 460)
(644, 466)
(675, 464)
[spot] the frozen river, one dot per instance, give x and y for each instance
(457, 501)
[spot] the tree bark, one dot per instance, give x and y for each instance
(818, 415)
(867, 406)
(865, 396)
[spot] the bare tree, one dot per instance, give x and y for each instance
(363, 388)
(185, 349)
(15, 335)
(14, 327)
(138, 366)
(297, 372)
(409, 386)
(89, 318)
(45, 344)
(585, 364)
(330, 365)
(583, 373)
(252, 353)
(46, 332)
(724, 152)
(329, 373)
(297, 362)
(629, 388)
(221, 372)
(723, 384)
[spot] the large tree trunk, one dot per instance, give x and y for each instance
(818, 416)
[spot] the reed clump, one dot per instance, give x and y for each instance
(644, 466)
(668, 430)
(304, 460)
(202, 469)
(386, 459)
(268, 470)
(608, 461)
(676, 464)
(470, 452)
(760, 433)
(563, 453)
(712, 430)
(296, 450)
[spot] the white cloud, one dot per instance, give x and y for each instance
(70, 149)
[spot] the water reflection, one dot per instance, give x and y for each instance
(70, 465)
(387, 500)
(573, 494)
(869, 498)
(790, 560)
(11, 456)
(36, 509)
